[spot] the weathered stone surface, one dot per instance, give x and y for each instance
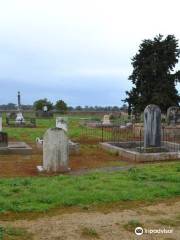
(173, 115)
(106, 120)
(152, 126)
(61, 123)
(55, 150)
(74, 148)
(20, 118)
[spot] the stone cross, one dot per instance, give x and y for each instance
(152, 126)
(0, 122)
(61, 123)
(55, 150)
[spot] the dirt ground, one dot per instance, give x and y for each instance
(90, 156)
(110, 222)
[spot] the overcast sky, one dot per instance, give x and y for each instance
(76, 50)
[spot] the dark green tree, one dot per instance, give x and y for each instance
(153, 74)
(61, 106)
(39, 104)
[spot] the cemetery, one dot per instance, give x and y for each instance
(73, 165)
(86, 175)
(94, 161)
(82, 147)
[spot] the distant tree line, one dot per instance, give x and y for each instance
(12, 106)
(62, 107)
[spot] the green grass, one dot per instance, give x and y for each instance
(75, 129)
(149, 182)
(30, 134)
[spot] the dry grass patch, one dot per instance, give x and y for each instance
(89, 232)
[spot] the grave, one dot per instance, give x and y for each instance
(44, 113)
(55, 151)
(173, 115)
(19, 117)
(152, 126)
(106, 120)
(153, 148)
(61, 123)
(16, 119)
(7, 147)
(73, 147)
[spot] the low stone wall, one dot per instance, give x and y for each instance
(135, 156)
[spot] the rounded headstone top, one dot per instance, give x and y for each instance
(152, 107)
(172, 108)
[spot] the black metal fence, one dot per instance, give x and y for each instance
(109, 133)
(123, 133)
(29, 122)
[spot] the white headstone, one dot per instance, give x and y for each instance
(106, 120)
(61, 123)
(55, 150)
(0, 122)
(45, 108)
(19, 118)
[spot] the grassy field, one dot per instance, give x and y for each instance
(148, 183)
(30, 134)
(75, 130)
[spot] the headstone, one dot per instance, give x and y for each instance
(129, 124)
(55, 150)
(45, 108)
(173, 115)
(61, 123)
(0, 122)
(152, 126)
(19, 118)
(106, 120)
(3, 139)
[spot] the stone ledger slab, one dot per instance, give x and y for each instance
(16, 148)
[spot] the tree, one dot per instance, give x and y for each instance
(153, 76)
(61, 106)
(78, 108)
(39, 104)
